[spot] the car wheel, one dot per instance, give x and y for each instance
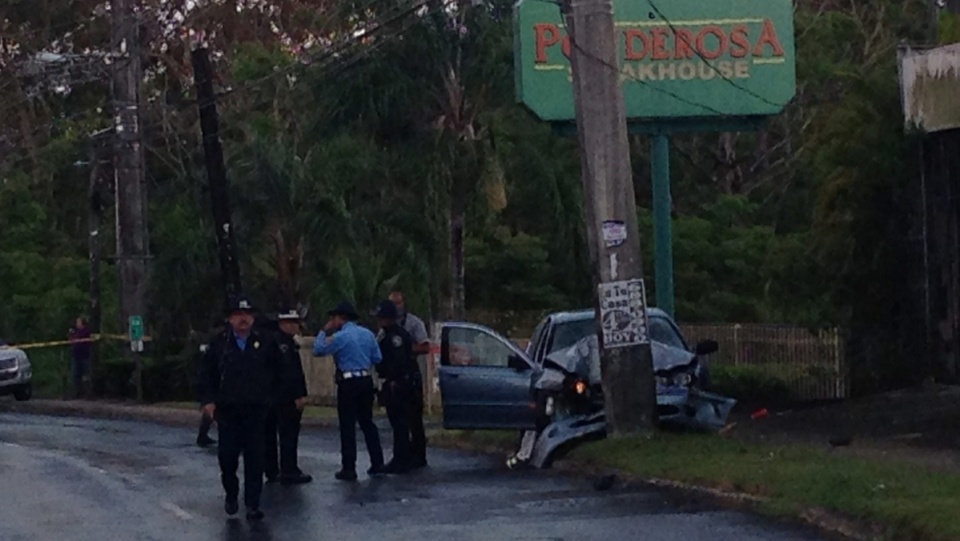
(23, 393)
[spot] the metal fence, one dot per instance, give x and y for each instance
(809, 363)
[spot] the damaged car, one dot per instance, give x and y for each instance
(551, 392)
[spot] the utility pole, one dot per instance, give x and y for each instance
(216, 172)
(99, 167)
(128, 174)
(611, 213)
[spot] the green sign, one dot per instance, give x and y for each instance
(136, 328)
(678, 58)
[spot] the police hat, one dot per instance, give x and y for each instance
(240, 303)
(386, 310)
(346, 310)
(289, 315)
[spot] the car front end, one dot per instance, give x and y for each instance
(15, 373)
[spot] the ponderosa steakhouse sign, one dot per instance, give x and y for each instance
(678, 58)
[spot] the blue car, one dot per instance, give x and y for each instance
(552, 389)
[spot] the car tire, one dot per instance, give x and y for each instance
(24, 393)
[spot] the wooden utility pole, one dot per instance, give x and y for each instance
(99, 169)
(128, 170)
(626, 361)
(216, 172)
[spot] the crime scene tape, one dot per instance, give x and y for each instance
(94, 338)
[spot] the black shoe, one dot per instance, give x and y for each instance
(272, 478)
(254, 513)
(346, 475)
(395, 468)
(417, 464)
(231, 506)
(295, 479)
(376, 470)
(205, 441)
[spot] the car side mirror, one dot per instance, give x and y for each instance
(707, 347)
(518, 364)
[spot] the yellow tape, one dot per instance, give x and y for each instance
(93, 338)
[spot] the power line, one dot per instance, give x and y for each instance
(706, 61)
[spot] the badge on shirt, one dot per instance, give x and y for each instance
(397, 341)
(256, 345)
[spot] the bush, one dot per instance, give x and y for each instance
(751, 385)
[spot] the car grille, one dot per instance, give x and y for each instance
(4, 376)
(8, 364)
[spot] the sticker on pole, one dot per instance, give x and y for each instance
(614, 233)
(623, 314)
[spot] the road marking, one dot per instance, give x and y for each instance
(176, 510)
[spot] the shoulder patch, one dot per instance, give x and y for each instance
(397, 341)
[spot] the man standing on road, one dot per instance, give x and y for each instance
(80, 353)
(355, 351)
(285, 416)
(421, 347)
(398, 371)
(239, 375)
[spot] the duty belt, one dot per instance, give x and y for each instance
(357, 374)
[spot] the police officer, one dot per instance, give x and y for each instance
(203, 434)
(421, 346)
(355, 351)
(285, 416)
(399, 372)
(239, 375)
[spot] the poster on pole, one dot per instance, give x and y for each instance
(623, 314)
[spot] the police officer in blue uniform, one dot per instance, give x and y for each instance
(283, 422)
(240, 373)
(400, 373)
(355, 352)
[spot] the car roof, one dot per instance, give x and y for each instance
(580, 315)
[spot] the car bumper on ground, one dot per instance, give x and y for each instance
(693, 408)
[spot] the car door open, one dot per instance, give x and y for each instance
(484, 380)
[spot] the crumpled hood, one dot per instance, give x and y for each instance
(583, 359)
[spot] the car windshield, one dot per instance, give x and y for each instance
(569, 333)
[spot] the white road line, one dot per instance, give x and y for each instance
(176, 510)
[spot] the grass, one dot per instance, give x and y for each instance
(906, 499)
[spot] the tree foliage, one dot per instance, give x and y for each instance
(360, 137)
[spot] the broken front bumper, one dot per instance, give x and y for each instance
(693, 408)
(677, 406)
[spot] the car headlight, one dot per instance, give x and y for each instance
(580, 387)
(683, 379)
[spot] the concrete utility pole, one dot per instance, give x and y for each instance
(626, 362)
(128, 172)
(216, 173)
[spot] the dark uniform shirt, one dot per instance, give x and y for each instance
(295, 385)
(396, 346)
(238, 371)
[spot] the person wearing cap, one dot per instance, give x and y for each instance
(421, 347)
(355, 351)
(397, 370)
(239, 375)
(286, 414)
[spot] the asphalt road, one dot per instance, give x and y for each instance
(76, 479)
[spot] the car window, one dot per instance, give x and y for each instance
(475, 347)
(535, 339)
(569, 333)
(662, 331)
